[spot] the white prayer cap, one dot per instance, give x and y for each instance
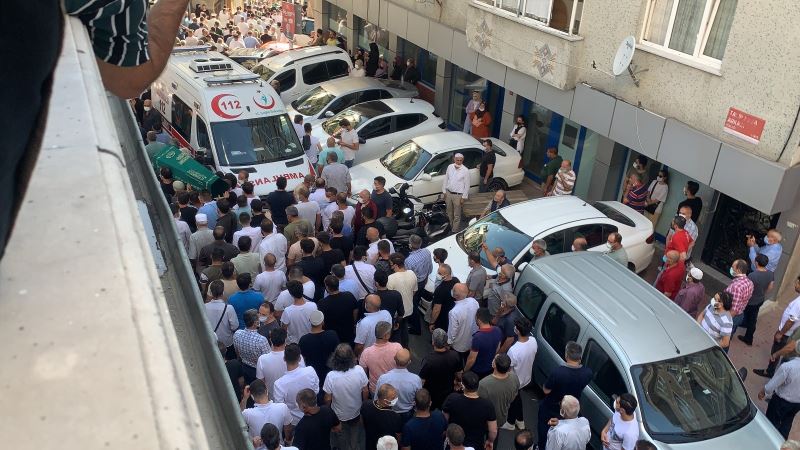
(201, 218)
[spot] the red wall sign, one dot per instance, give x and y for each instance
(744, 126)
(288, 20)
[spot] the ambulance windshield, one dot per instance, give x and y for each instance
(255, 141)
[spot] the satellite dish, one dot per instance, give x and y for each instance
(624, 55)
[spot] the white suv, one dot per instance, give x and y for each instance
(301, 69)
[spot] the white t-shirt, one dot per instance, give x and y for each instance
(243, 28)
(345, 388)
(365, 328)
(522, 355)
(349, 137)
(367, 274)
(292, 382)
(659, 192)
(320, 198)
(792, 312)
(270, 284)
(622, 435)
(255, 237)
(297, 319)
(372, 250)
(276, 244)
(284, 299)
(260, 414)
(308, 210)
(406, 284)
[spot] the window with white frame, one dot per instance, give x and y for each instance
(562, 15)
(698, 28)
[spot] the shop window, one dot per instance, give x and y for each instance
(558, 328)
(182, 118)
(337, 18)
(606, 378)
(369, 32)
(695, 28)
(425, 60)
(540, 136)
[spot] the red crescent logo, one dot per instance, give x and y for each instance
(226, 106)
(261, 102)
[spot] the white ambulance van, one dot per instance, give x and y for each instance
(214, 106)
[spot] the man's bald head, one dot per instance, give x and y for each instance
(673, 256)
(461, 291)
(372, 234)
(402, 358)
(372, 303)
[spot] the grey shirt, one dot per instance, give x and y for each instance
(500, 392)
(620, 256)
(476, 281)
(496, 294)
(336, 175)
(760, 282)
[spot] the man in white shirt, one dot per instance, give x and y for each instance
(346, 389)
(348, 141)
(296, 318)
(285, 298)
(272, 242)
(320, 195)
(570, 432)
(455, 189)
(236, 42)
(298, 126)
(271, 366)
(310, 144)
(365, 328)
(462, 324)
(200, 238)
(243, 27)
(264, 410)
(790, 321)
(373, 237)
(522, 354)
(362, 273)
(622, 430)
(294, 380)
(270, 282)
(246, 230)
(184, 232)
(405, 282)
(339, 204)
(784, 392)
(221, 316)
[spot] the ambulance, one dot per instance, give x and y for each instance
(229, 117)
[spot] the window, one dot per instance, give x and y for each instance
(697, 28)
(286, 80)
(377, 127)
(472, 157)
(368, 32)
(337, 68)
(182, 118)
(343, 102)
(558, 328)
(315, 73)
(593, 233)
(255, 141)
(530, 300)
(562, 15)
(555, 242)
(439, 164)
(406, 121)
(606, 379)
(385, 94)
(337, 18)
(202, 135)
(425, 60)
(369, 95)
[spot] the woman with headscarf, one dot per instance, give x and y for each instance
(372, 60)
(383, 68)
(481, 119)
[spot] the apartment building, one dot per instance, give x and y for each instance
(709, 95)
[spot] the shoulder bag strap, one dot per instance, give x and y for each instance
(359, 277)
(222, 316)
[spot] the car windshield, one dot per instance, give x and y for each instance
(495, 231)
(692, 397)
(255, 141)
(356, 115)
(312, 101)
(406, 160)
(263, 71)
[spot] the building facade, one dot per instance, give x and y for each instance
(551, 62)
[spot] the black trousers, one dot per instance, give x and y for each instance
(781, 414)
(545, 414)
(515, 410)
(749, 321)
(414, 319)
(775, 347)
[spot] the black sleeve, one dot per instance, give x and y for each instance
(401, 310)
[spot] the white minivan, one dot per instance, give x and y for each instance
(211, 104)
(301, 69)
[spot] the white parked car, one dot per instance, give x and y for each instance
(301, 69)
(557, 220)
(383, 124)
(330, 98)
(422, 162)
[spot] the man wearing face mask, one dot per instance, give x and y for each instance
(364, 202)
(772, 249)
(455, 190)
(640, 169)
(614, 249)
(570, 432)
(691, 296)
(442, 301)
(716, 319)
(150, 117)
(538, 249)
(669, 280)
(486, 170)
(504, 283)
(741, 289)
(622, 430)
(379, 418)
(564, 181)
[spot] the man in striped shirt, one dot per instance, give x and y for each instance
(637, 194)
(716, 319)
(565, 179)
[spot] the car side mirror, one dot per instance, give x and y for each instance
(425, 177)
(362, 141)
(328, 113)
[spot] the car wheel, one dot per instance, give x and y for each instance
(496, 184)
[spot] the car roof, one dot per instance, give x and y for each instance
(296, 54)
(549, 212)
(407, 105)
(346, 85)
(443, 142)
(643, 324)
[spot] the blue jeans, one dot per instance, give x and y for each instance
(737, 320)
